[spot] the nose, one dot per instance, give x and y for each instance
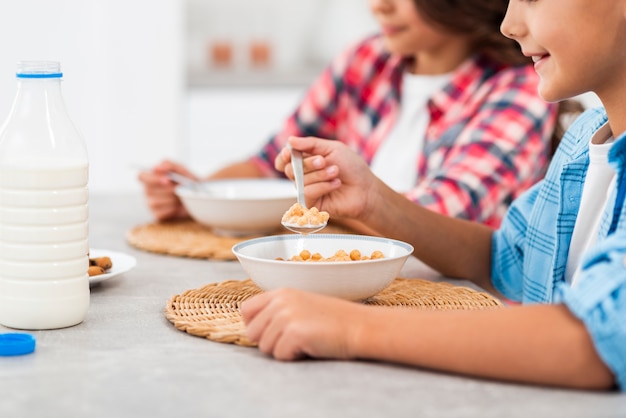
(381, 6)
(511, 25)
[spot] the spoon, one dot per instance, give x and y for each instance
(298, 172)
(187, 181)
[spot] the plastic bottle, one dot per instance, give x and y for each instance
(44, 248)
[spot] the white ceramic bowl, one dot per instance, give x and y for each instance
(352, 280)
(239, 207)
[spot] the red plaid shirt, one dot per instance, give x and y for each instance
(487, 140)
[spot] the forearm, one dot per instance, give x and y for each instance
(503, 344)
(244, 169)
(454, 247)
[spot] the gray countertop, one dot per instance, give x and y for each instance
(127, 360)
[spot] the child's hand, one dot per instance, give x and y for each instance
(336, 179)
(290, 324)
(159, 191)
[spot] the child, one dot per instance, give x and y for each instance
(442, 107)
(561, 249)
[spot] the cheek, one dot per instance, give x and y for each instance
(415, 41)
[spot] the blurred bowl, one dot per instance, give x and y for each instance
(239, 207)
(351, 280)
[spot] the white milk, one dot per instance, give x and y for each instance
(43, 245)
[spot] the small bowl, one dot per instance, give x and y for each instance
(239, 207)
(351, 280)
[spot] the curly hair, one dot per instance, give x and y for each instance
(478, 19)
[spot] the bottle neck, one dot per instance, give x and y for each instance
(39, 128)
(38, 98)
(39, 92)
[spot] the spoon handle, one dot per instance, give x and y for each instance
(298, 172)
(180, 179)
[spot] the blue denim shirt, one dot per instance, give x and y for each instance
(529, 251)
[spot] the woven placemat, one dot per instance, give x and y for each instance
(213, 312)
(190, 239)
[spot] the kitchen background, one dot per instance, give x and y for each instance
(203, 82)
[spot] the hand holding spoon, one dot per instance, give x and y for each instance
(298, 172)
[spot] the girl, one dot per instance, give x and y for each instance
(442, 107)
(561, 249)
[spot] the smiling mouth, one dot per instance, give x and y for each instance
(537, 58)
(391, 30)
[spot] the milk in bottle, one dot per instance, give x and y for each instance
(43, 207)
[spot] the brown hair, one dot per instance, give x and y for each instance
(479, 19)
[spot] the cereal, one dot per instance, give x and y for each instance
(301, 216)
(340, 255)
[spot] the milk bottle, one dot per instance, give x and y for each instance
(43, 207)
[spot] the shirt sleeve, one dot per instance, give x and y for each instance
(599, 301)
(316, 115)
(482, 162)
(508, 245)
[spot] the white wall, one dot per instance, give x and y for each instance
(225, 125)
(123, 75)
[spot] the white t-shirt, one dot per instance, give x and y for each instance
(599, 183)
(395, 161)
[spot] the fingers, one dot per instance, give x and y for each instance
(309, 147)
(153, 179)
(314, 146)
(267, 317)
(289, 324)
(250, 308)
(159, 191)
(282, 159)
(165, 207)
(315, 167)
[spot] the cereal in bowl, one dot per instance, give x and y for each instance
(340, 255)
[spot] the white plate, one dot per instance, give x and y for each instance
(121, 264)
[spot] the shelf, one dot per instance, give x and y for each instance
(250, 78)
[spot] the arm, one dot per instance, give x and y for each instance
(505, 344)
(340, 182)
(243, 169)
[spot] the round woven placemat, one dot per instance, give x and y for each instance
(191, 239)
(213, 312)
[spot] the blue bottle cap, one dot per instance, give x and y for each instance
(16, 344)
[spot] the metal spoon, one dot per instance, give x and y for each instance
(189, 182)
(298, 172)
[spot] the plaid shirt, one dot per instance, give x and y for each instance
(529, 251)
(486, 141)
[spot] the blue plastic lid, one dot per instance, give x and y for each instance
(16, 344)
(39, 69)
(51, 75)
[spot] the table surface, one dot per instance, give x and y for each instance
(127, 360)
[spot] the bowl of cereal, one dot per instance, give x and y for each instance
(238, 207)
(352, 267)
